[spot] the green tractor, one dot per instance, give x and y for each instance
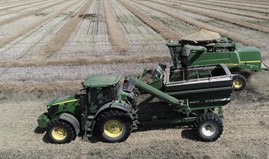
(111, 109)
(241, 60)
(101, 106)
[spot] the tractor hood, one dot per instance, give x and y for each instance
(62, 100)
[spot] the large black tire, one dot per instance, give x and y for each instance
(114, 126)
(60, 132)
(209, 126)
(239, 82)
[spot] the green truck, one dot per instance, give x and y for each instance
(241, 60)
(111, 107)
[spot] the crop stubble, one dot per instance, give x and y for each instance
(117, 39)
(222, 31)
(245, 134)
(17, 33)
(224, 5)
(222, 18)
(31, 44)
(160, 28)
(9, 20)
(224, 10)
(63, 35)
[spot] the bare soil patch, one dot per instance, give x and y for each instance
(223, 18)
(86, 60)
(198, 24)
(245, 136)
(9, 20)
(17, 33)
(116, 35)
(63, 35)
(160, 28)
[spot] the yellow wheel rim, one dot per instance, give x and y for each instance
(113, 128)
(237, 84)
(58, 133)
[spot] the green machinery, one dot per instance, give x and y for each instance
(241, 60)
(111, 109)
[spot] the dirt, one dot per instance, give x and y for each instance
(160, 28)
(63, 35)
(17, 33)
(33, 12)
(68, 61)
(116, 35)
(22, 99)
(223, 18)
(225, 10)
(199, 24)
(239, 7)
(18, 5)
(246, 131)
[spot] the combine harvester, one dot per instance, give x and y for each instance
(241, 60)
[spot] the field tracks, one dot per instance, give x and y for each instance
(23, 8)
(18, 5)
(39, 87)
(228, 6)
(17, 33)
(84, 60)
(9, 20)
(201, 25)
(117, 39)
(63, 35)
(219, 17)
(166, 32)
(221, 9)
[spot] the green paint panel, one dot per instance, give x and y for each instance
(99, 81)
(225, 51)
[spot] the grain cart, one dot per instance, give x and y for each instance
(241, 60)
(206, 85)
(110, 111)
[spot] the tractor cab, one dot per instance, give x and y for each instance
(100, 90)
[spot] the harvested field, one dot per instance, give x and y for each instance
(48, 47)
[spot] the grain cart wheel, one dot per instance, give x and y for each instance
(114, 126)
(239, 82)
(209, 126)
(60, 132)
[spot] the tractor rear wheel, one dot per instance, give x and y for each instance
(114, 126)
(209, 126)
(239, 82)
(60, 132)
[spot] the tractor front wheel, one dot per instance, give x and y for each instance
(60, 132)
(239, 82)
(209, 126)
(114, 126)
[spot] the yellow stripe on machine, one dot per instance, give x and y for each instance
(68, 101)
(257, 61)
(231, 64)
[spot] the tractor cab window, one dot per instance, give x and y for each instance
(104, 95)
(98, 97)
